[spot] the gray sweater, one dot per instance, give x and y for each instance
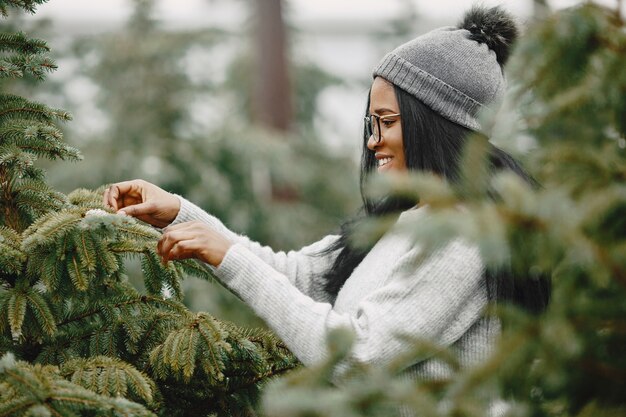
(392, 297)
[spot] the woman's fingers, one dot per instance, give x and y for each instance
(193, 240)
(139, 210)
(184, 249)
(145, 201)
(174, 235)
(123, 194)
(105, 198)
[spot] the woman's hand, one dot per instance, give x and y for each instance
(193, 240)
(143, 200)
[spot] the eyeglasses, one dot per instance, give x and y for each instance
(372, 124)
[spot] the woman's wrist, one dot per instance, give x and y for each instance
(174, 212)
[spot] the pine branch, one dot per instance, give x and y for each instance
(13, 407)
(257, 356)
(104, 341)
(20, 43)
(37, 138)
(110, 377)
(12, 258)
(200, 342)
(160, 324)
(78, 275)
(194, 268)
(46, 266)
(151, 268)
(63, 346)
(33, 198)
(159, 277)
(79, 238)
(13, 159)
(236, 384)
(35, 65)
(9, 70)
(143, 299)
(13, 108)
(16, 311)
(48, 229)
(82, 236)
(84, 197)
(134, 230)
(41, 311)
(131, 247)
(85, 247)
(68, 396)
(108, 263)
(28, 6)
(23, 304)
(616, 268)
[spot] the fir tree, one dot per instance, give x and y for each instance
(77, 338)
(87, 343)
(285, 190)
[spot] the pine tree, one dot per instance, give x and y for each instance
(76, 338)
(569, 96)
(284, 191)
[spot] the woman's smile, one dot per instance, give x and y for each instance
(383, 161)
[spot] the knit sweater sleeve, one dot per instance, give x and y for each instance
(438, 299)
(303, 268)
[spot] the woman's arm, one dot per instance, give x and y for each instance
(150, 203)
(301, 267)
(438, 299)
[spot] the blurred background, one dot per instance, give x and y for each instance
(252, 109)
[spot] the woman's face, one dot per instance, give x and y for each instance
(389, 150)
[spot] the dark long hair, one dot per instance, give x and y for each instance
(432, 144)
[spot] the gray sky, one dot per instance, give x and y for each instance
(203, 12)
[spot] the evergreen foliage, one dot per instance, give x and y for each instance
(27, 5)
(41, 391)
(152, 83)
(86, 341)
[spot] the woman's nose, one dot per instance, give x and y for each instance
(372, 144)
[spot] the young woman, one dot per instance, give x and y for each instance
(423, 103)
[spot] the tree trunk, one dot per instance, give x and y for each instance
(271, 100)
(540, 9)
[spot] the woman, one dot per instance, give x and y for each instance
(422, 105)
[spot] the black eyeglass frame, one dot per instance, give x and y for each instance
(369, 126)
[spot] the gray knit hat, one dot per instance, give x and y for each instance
(455, 70)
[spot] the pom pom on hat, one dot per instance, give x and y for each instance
(494, 27)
